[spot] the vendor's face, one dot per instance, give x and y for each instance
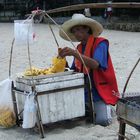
(80, 32)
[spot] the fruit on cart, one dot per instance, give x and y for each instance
(58, 65)
(33, 71)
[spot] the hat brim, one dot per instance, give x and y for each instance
(95, 26)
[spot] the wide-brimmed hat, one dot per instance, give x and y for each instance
(80, 19)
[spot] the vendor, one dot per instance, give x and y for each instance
(94, 51)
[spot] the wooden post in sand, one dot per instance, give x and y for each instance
(122, 130)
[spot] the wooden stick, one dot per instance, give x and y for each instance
(53, 35)
(11, 55)
(122, 130)
(39, 120)
(130, 77)
(95, 5)
(15, 105)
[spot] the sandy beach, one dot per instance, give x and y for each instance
(124, 49)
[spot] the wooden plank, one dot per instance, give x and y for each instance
(95, 5)
(51, 91)
(53, 108)
(38, 80)
(60, 105)
(52, 86)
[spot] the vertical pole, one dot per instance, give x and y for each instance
(122, 130)
(38, 115)
(44, 4)
(11, 55)
(15, 105)
(91, 103)
(39, 120)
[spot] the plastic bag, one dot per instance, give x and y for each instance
(5, 94)
(30, 110)
(7, 115)
(23, 31)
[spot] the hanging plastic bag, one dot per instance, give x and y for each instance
(7, 115)
(30, 110)
(24, 32)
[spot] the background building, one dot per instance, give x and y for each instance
(16, 9)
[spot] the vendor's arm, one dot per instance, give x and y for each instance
(89, 62)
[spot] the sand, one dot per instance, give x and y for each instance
(124, 49)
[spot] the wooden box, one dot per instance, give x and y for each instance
(60, 96)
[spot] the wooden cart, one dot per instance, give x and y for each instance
(59, 97)
(128, 108)
(128, 111)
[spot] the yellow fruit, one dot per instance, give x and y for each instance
(32, 72)
(7, 118)
(58, 65)
(48, 71)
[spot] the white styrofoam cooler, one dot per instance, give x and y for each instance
(62, 98)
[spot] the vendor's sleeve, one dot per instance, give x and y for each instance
(101, 55)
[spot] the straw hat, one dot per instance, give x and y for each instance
(80, 19)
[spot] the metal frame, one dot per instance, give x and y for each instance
(122, 128)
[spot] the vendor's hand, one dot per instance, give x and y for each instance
(67, 52)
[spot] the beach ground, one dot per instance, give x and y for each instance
(124, 49)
